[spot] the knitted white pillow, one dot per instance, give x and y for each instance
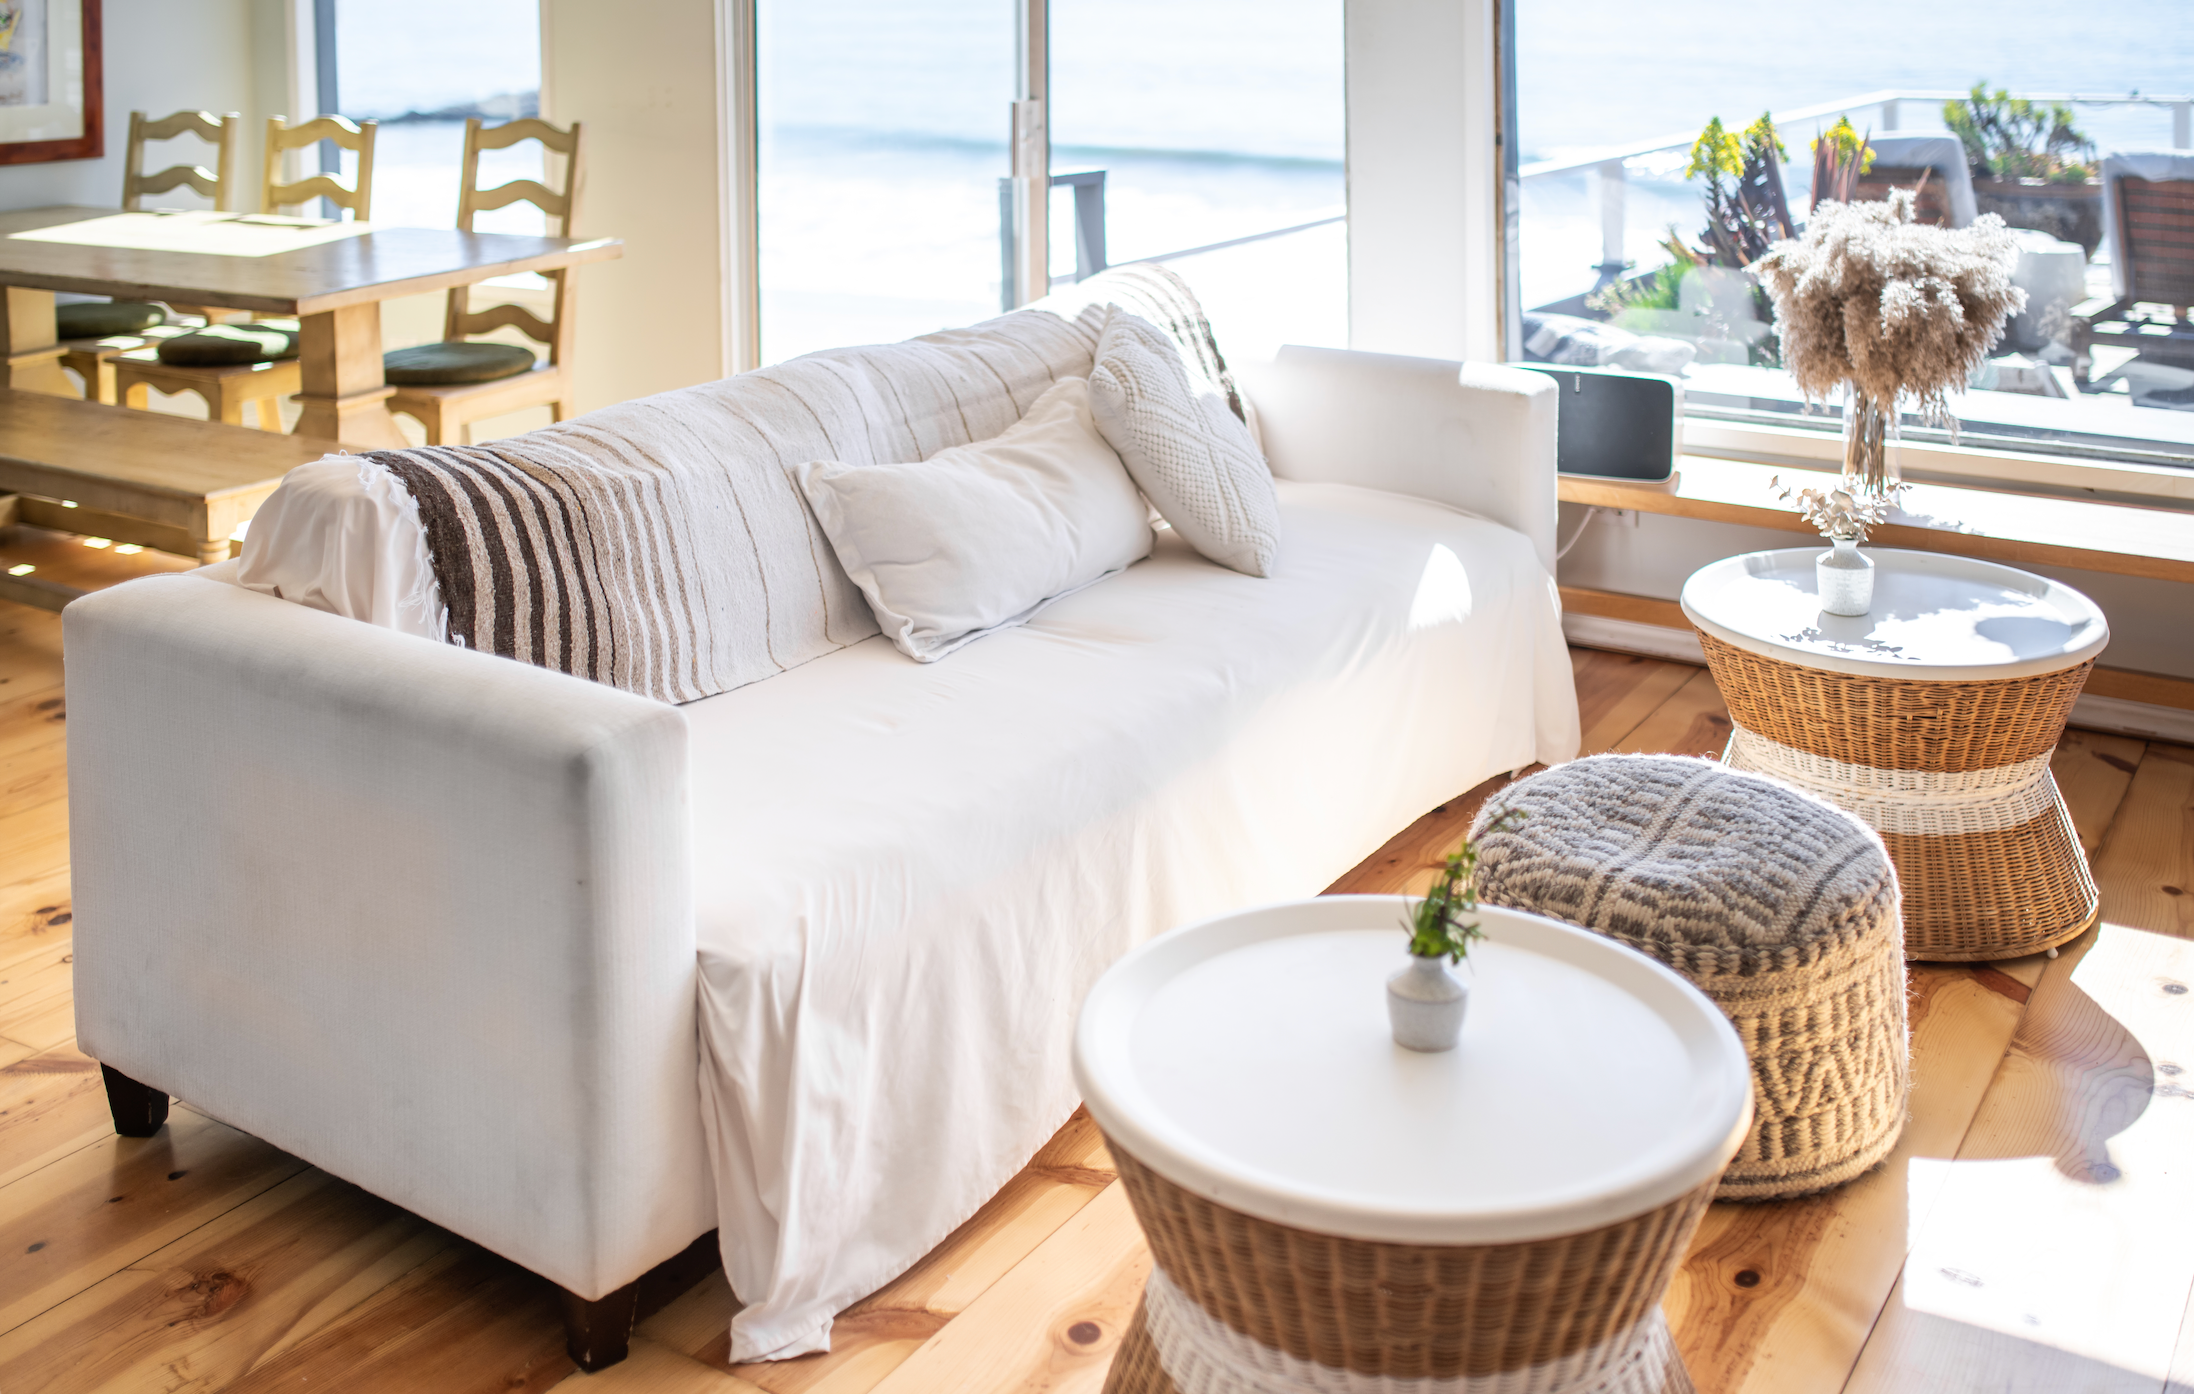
(1187, 450)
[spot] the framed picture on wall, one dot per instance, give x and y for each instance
(50, 100)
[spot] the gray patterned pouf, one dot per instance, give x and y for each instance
(1780, 907)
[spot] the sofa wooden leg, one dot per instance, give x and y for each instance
(599, 1333)
(139, 1110)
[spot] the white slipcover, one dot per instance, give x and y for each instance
(440, 922)
(906, 876)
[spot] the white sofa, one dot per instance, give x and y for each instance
(582, 975)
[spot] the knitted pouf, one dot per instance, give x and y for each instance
(1781, 908)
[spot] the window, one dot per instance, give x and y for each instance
(1608, 111)
(484, 60)
(882, 132)
(1227, 134)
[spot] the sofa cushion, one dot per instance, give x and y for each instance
(1184, 445)
(906, 875)
(981, 537)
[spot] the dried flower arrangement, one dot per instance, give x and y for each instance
(1841, 515)
(1869, 298)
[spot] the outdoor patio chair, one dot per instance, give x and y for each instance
(2148, 225)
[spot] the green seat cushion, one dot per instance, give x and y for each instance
(228, 345)
(100, 319)
(445, 365)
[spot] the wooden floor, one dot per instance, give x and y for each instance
(2034, 1231)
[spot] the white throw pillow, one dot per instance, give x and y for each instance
(981, 537)
(1186, 448)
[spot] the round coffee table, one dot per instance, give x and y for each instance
(1932, 718)
(1326, 1208)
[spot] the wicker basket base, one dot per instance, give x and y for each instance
(1994, 895)
(1136, 1368)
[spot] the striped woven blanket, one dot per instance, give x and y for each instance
(661, 546)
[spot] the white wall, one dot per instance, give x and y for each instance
(162, 56)
(642, 80)
(1421, 178)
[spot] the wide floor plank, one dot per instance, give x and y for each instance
(874, 1336)
(1617, 691)
(2084, 1140)
(1055, 1321)
(51, 1104)
(204, 1311)
(1692, 721)
(101, 1208)
(2146, 869)
(1778, 1297)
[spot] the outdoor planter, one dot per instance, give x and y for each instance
(2067, 212)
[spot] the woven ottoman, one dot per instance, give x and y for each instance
(1781, 908)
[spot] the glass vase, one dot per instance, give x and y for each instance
(1872, 434)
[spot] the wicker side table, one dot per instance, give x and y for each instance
(1932, 718)
(1328, 1211)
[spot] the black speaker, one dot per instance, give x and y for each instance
(1616, 424)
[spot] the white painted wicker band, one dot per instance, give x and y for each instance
(1203, 1355)
(1926, 803)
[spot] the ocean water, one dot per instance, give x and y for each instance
(1591, 75)
(885, 122)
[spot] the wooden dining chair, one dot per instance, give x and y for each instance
(95, 332)
(218, 183)
(449, 385)
(282, 137)
(230, 366)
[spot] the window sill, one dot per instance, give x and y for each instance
(2154, 486)
(2152, 538)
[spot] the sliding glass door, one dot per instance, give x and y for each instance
(883, 129)
(1220, 128)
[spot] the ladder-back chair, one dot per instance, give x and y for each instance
(283, 137)
(218, 183)
(96, 331)
(448, 386)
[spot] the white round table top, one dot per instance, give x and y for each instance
(1935, 618)
(1249, 1059)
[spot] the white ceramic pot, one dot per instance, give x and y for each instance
(1425, 1003)
(1845, 577)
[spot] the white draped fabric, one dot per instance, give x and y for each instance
(906, 875)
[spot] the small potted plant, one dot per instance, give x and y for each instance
(1844, 575)
(1425, 1002)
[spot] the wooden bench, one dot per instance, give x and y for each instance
(142, 477)
(1995, 524)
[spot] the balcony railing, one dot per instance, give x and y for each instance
(1607, 165)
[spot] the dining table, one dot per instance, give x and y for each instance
(331, 276)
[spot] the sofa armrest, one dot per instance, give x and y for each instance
(1472, 435)
(419, 915)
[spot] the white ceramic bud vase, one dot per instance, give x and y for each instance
(1425, 1004)
(1845, 576)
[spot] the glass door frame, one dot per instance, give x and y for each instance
(738, 89)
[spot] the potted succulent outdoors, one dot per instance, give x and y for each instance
(1425, 1002)
(2030, 165)
(1844, 575)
